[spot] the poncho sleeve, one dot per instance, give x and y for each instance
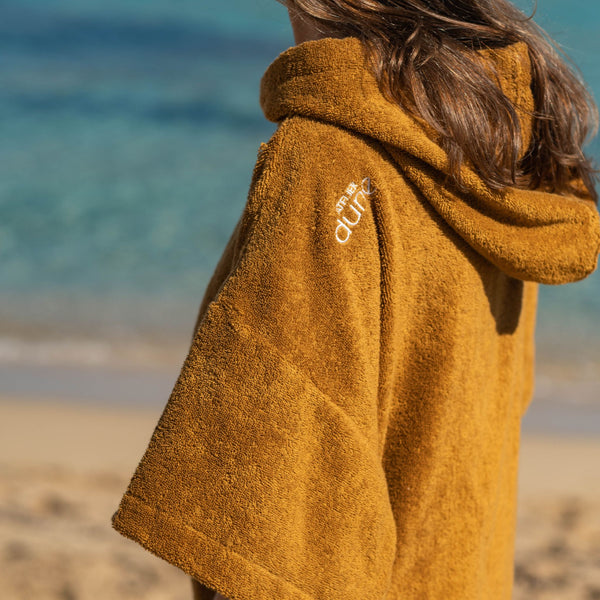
(263, 477)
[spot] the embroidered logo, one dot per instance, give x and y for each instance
(350, 205)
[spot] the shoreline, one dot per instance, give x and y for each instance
(565, 401)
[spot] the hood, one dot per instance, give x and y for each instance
(529, 234)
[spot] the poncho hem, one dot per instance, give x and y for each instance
(220, 568)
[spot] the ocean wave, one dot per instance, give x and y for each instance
(89, 353)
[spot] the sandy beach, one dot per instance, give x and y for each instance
(65, 465)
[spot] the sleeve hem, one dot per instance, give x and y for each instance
(199, 556)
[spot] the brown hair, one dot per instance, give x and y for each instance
(413, 42)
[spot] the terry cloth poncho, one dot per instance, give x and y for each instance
(346, 423)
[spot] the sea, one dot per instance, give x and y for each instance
(129, 131)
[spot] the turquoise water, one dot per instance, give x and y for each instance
(129, 133)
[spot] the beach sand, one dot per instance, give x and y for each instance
(64, 467)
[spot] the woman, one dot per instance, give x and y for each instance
(346, 423)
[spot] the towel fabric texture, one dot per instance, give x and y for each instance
(346, 423)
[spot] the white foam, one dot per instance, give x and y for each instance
(87, 352)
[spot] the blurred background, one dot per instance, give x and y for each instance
(128, 136)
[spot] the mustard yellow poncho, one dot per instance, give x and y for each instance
(346, 423)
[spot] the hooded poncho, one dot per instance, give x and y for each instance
(345, 425)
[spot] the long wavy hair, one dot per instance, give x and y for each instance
(419, 51)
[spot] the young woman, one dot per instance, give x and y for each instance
(346, 423)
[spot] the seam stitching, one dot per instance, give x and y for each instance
(243, 329)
